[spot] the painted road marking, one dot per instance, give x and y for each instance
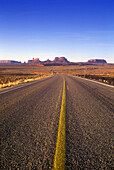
(67, 87)
(60, 152)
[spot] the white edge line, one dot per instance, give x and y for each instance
(94, 81)
(15, 88)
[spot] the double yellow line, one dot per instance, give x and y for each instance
(60, 152)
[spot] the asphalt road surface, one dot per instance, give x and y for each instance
(29, 118)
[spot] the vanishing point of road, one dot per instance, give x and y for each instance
(61, 122)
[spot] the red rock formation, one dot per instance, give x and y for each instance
(60, 60)
(102, 61)
(34, 61)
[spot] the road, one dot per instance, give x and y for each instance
(30, 118)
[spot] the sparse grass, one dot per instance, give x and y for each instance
(15, 74)
(102, 73)
(101, 70)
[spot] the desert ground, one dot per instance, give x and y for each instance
(14, 74)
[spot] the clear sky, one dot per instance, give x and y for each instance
(77, 29)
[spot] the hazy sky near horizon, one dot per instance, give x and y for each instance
(77, 29)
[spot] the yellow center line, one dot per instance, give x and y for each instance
(67, 87)
(60, 152)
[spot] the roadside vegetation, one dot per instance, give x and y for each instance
(15, 74)
(102, 73)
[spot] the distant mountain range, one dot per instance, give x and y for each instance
(56, 61)
(64, 61)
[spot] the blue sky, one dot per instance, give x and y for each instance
(77, 29)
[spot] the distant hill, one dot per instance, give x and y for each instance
(64, 61)
(56, 62)
(102, 61)
(60, 60)
(34, 61)
(9, 62)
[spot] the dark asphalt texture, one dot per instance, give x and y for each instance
(89, 140)
(29, 119)
(29, 122)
